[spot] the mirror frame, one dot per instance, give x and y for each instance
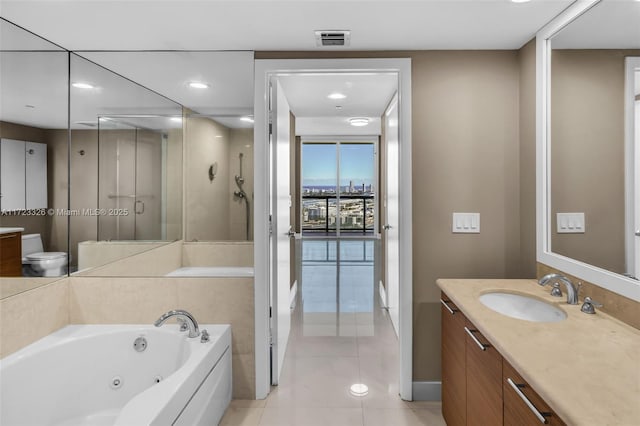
(611, 281)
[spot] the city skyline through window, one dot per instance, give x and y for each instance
(338, 187)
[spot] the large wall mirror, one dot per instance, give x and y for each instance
(34, 143)
(589, 87)
(125, 166)
(217, 90)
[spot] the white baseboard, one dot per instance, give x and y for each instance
(292, 294)
(383, 295)
(427, 391)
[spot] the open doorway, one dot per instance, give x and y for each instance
(278, 145)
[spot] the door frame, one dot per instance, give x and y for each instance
(264, 70)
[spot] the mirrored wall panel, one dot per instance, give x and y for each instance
(217, 89)
(592, 205)
(33, 160)
(125, 166)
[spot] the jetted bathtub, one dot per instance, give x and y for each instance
(122, 375)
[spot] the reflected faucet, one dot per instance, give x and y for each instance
(572, 292)
(189, 320)
(243, 195)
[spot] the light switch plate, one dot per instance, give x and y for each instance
(466, 223)
(570, 223)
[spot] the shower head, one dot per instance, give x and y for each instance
(239, 180)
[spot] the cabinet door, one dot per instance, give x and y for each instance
(12, 172)
(36, 175)
(524, 407)
(11, 254)
(454, 380)
(484, 380)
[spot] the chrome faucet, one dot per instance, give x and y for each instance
(572, 292)
(189, 320)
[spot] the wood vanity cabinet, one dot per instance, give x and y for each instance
(475, 379)
(11, 254)
(524, 408)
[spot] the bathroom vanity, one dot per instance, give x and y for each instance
(11, 252)
(580, 370)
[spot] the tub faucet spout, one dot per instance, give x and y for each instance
(191, 322)
(572, 291)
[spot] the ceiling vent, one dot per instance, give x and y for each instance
(333, 38)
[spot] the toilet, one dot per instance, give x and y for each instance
(38, 263)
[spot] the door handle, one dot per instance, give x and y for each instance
(141, 211)
(387, 227)
(291, 233)
(638, 233)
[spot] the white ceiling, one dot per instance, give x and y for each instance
(281, 25)
(610, 24)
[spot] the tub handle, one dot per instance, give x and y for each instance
(204, 336)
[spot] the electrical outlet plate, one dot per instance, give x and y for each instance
(466, 223)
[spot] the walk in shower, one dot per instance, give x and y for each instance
(135, 158)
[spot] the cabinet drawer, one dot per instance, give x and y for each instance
(525, 407)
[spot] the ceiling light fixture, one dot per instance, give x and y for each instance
(247, 119)
(81, 85)
(176, 119)
(359, 121)
(336, 96)
(520, 1)
(198, 85)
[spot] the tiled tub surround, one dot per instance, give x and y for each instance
(134, 291)
(585, 367)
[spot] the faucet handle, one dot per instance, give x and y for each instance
(183, 324)
(556, 291)
(589, 306)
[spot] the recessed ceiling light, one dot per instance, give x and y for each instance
(359, 121)
(176, 119)
(520, 1)
(337, 95)
(198, 85)
(338, 107)
(218, 136)
(247, 119)
(81, 85)
(359, 389)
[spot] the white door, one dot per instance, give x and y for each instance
(280, 235)
(637, 183)
(391, 206)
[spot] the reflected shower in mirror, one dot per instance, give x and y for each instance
(125, 165)
(219, 209)
(590, 197)
(34, 143)
(217, 89)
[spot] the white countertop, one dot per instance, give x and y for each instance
(7, 230)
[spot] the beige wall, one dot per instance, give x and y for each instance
(219, 253)
(240, 141)
(527, 129)
(587, 153)
(174, 184)
(92, 254)
(207, 202)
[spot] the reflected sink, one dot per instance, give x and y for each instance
(522, 307)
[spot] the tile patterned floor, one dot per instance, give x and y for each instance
(339, 336)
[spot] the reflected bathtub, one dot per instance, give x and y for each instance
(93, 375)
(213, 271)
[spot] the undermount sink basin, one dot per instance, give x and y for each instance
(522, 307)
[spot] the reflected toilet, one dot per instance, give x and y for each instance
(38, 263)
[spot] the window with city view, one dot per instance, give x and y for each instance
(338, 193)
